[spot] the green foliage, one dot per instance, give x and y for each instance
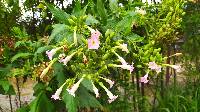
(42, 104)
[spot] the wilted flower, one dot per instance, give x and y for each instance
(67, 59)
(96, 91)
(52, 52)
(111, 83)
(144, 79)
(45, 71)
(93, 43)
(74, 88)
(124, 47)
(110, 95)
(84, 59)
(57, 93)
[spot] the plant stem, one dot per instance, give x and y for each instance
(11, 108)
(18, 91)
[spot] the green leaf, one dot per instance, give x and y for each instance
(42, 104)
(101, 11)
(59, 14)
(135, 38)
(86, 99)
(91, 20)
(21, 55)
(58, 29)
(113, 5)
(59, 73)
(70, 101)
(40, 50)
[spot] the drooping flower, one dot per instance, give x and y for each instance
(144, 79)
(96, 91)
(124, 64)
(121, 59)
(154, 66)
(93, 43)
(67, 59)
(110, 95)
(74, 87)
(176, 67)
(57, 93)
(50, 53)
(111, 83)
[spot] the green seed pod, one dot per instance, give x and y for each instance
(74, 18)
(71, 22)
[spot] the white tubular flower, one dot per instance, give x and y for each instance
(127, 67)
(154, 66)
(121, 59)
(124, 47)
(74, 88)
(51, 53)
(67, 59)
(45, 71)
(96, 91)
(111, 83)
(57, 93)
(176, 67)
(110, 95)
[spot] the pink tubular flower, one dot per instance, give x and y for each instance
(95, 34)
(74, 88)
(110, 95)
(57, 93)
(67, 59)
(93, 43)
(52, 52)
(144, 79)
(154, 66)
(111, 83)
(96, 91)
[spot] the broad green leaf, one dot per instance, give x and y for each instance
(40, 50)
(21, 55)
(113, 5)
(101, 11)
(42, 104)
(91, 20)
(6, 85)
(135, 38)
(70, 101)
(77, 8)
(86, 99)
(59, 14)
(59, 73)
(58, 28)
(87, 84)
